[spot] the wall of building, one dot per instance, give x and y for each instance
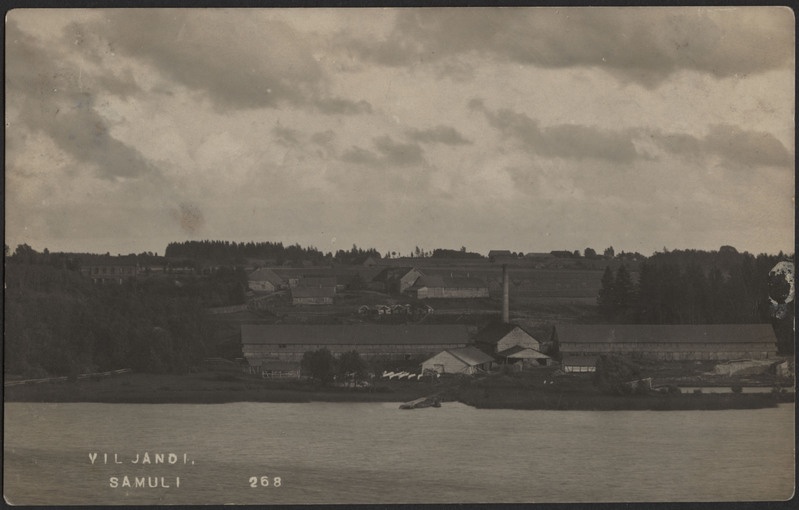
(446, 292)
(294, 352)
(312, 301)
(674, 351)
(261, 286)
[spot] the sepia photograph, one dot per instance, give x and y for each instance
(408, 255)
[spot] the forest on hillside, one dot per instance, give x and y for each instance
(59, 323)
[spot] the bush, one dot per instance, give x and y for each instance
(737, 388)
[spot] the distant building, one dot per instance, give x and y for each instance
(436, 287)
(510, 344)
(288, 342)
(667, 342)
(500, 336)
(274, 369)
(318, 281)
(498, 255)
(464, 360)
(578, 363)
(110, 269)
(312, 295)
(264, 280)
(397, 280)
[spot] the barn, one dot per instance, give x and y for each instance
(264, 280)
(397, 279)
(667, 341)
(465, 360)
(434, 286)
(312, 295)
(110, 269)
(501, 336)
(288, 342)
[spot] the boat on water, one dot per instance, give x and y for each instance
(419, 403)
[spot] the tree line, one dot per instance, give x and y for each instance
(694, 287)
(60, 323)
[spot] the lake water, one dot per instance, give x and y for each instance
(375, 453)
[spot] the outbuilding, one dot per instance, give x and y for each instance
(465, 360)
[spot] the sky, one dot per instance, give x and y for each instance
(527, 129)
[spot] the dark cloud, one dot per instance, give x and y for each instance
(238, 60)
(324, 138)
(286, 136)
(644, 45)
(735, 146)
(400, 154)
(59, 101)
(190, 218)
(388, 154)
(569, 141)
(446, 135)
(338, 106)
(360, 156)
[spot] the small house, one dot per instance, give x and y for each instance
(264, 280)
(465, 360)
(500, 336)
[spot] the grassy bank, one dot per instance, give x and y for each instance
(520, 391)
(520, 399)
(205, 388)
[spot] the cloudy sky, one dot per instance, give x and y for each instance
(529, 129)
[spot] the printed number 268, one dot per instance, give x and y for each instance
(265, 482)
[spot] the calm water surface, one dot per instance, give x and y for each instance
(375, 453)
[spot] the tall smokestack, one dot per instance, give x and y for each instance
(505, 295)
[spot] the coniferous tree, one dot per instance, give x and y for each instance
(607, 294)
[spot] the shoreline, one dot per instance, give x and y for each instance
(214, 388)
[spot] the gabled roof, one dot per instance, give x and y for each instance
(393, 273)
(471, 355)
(265, 274)
(517, 351)
(666, 333)
(496, 331)
(366, 334)
(313, 292)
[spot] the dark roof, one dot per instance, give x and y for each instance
(494, 253)
(471, 355)
(495, 332)
(265, 274)
(580, 361)
(367, 334)
(102, 260)
(665, 333)
(446, 282)
(317, 281)
(393, 273)
(313, 292)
